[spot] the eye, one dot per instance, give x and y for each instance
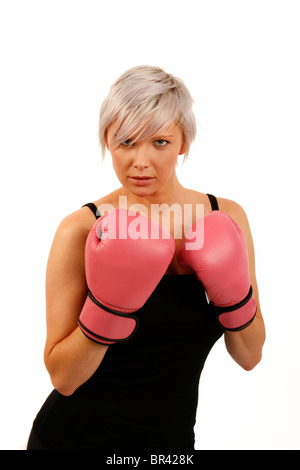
(126, 143)
(161, 143)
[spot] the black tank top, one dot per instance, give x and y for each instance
(144, 394)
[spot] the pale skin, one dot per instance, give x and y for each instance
(70, 357)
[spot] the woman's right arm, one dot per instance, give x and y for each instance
(70, 357)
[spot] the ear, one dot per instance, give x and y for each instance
(106, 139)
(183, 146)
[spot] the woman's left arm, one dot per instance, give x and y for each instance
(245, 346)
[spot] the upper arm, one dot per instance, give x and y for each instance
(66, 287)
(239, 216)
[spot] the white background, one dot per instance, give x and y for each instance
(240, 60)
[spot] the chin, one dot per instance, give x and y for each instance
(142, 191)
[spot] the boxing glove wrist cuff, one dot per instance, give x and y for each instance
(238, 316)
(105, 325)
(231, 308)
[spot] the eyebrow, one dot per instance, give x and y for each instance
(164, 135)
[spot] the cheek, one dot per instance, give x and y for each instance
(169, 161)
(118, 162)
(165, 168)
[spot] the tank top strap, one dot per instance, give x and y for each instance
(213, 202)
(93, 208)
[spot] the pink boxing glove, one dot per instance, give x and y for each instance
(221, 265)
(126, 256)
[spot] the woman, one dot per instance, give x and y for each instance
(127, 339)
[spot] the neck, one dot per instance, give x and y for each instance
(168, 195)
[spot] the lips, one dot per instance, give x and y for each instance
(141, 177)
(141, 180)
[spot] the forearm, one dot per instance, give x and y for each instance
(72, 361)
(245, 346)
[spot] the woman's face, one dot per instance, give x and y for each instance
(147, 168)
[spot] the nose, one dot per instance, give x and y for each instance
(140, 158)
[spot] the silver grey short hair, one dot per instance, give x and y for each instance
(143, 101)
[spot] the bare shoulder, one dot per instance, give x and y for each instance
(71, 234)
(236, 212)
(77, 224)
